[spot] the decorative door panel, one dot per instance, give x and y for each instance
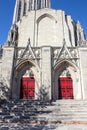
(65, 88)
(27, 88)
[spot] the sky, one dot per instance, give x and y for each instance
(76, 8)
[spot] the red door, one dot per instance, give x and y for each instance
(27, 88)
(65, 88)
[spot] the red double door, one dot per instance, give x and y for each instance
(27, 88)
(65, 88)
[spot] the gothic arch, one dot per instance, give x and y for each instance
(42, 28)
(60, 62)
(73, 72)
(45, 15)
(20, 70)
(22, 63)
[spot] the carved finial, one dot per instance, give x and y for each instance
(64, 41)
(28, 40)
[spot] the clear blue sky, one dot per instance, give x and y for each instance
(76, 8)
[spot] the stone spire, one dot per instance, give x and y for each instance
(80, 32)
(23, 6)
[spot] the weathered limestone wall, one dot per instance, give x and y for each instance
(26, 30)
(7, 66)
(47, 27)
(83, 70)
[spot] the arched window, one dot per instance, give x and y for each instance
(24, 11)
(19, 11)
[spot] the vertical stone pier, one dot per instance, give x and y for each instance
(46, 70)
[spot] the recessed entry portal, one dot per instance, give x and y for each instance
(27, 88)
(65, 88)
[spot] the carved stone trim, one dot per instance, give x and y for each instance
(27, 53)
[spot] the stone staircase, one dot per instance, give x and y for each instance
(39, 112)
(68, 111)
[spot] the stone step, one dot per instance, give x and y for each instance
(71, 106)
(68, 109)
(63, 107)
(67, 115)
(27, 111)
(33, 119)
(27, 126)
(45, 112)
(70, 102)
(47, 119)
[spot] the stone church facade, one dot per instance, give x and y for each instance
(45, 55)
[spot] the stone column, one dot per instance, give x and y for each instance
(46, 71)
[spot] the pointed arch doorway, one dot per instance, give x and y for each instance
(26, 81)
(65, 84)
(65, 88)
